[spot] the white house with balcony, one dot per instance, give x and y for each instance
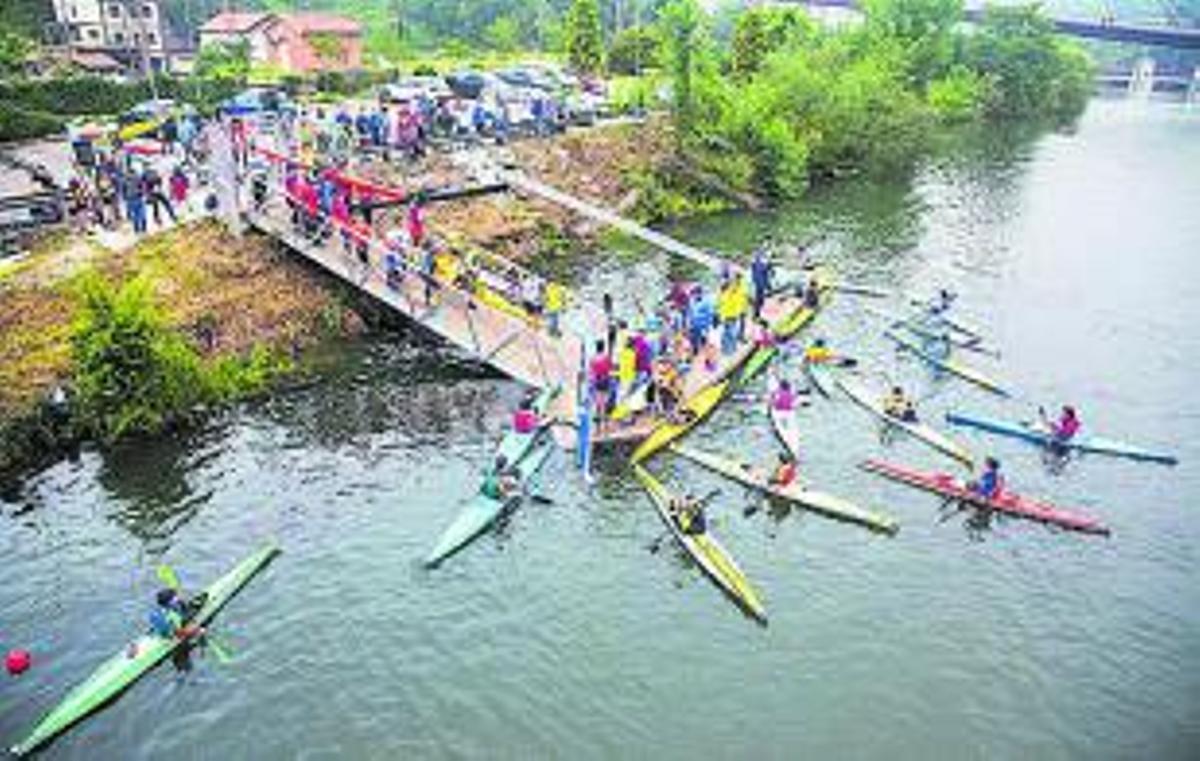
(131, 32)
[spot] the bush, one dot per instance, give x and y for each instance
(635, 49)
(18, 124)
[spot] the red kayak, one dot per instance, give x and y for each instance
(1008, 502)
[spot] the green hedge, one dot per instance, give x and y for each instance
(18, 124)
(80, 96)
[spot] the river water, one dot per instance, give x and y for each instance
(565, 636)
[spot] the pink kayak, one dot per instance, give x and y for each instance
(1008, 502)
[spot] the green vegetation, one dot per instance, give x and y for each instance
(788, 102)
(585, 37)
(133, 374)
(635, 49)
(229, 60)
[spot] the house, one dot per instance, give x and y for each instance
(299, 43)
(130, 32)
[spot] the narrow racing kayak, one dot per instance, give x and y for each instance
(524, 451)
(784, 329)
(1009, 503)
(1035, 434)
(796, 492)
(482, 511)
(859, 394)
(787, 428)
(691, 413)
(134, 660)
(705, 550)
(949, 365)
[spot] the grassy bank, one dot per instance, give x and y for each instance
(145, 338)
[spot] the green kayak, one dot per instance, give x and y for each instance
(137, 658)
(521, 450)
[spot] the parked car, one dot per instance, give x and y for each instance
(410, 89)
(466, 84)
(258, 100)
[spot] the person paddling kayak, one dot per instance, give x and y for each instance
(785, 471)
(784, 398)
(525, 418)
(990, 482)
(170, 616)
(500, 481)
(1067, 425)
(899, 406)
(688, 514)
(818, 352)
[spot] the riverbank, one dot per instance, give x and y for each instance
(228, 297)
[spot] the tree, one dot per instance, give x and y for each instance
(585, 42)
(634, 49)
(14, 50)
(681, 21)
(923, 28)
(503, 34)
(761, 31)
(224, 60)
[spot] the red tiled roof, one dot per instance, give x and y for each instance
(306, 23)
(234, 22)
(94, 60)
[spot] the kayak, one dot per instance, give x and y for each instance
(632, 402)
(1087, 444)
(956, 323)
(796, 492)
(1008, 502)
(786, 427)
(949, 365)
(705, 550)
(868, 401)
(522, 451)
(482, 511)
(136, 659)
(967, 344)
(691, 413)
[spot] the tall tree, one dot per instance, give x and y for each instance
(681, 22)
(585, 38)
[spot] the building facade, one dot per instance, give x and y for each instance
(130, 31)
(298, 43)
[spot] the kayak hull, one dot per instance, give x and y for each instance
(787, 429)
(139, 657)
(796, 493)
(1085, 444)
(968, 374)
(822, 377)
(863, 398)
(692, 412)
(482, 511)
(1008, 503)
(706, 551)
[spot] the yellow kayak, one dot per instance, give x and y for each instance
(705, 550)
(693, 411)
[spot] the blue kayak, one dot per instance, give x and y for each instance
(1032, 433)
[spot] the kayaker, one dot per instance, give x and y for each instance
(812, 294)
(169, 619)
(688, 514)
(990, 483)
(899, 406)
(941, 302)
(1067, 425)
(784, 397)
(525, 419)
(818, 352)
(764, 337)
(500, 481)
(785, 471)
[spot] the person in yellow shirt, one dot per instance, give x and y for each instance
(818, 353)
(556, 301)
(732, 304)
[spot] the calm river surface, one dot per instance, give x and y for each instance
(565, 637)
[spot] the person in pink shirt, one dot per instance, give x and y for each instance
(600, 373)
(340, 212)
(416, 223)
(179, 186)
(784, 398)
(525, 419)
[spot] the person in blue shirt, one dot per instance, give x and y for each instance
(760, 278)
(700, 319)
(990, 482)
(170, 617)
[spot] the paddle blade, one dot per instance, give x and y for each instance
(166, 574)
(218, 650)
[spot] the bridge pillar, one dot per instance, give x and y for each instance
(1141, 84)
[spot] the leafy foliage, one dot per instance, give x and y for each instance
(224, 60)
(635, 49)
(585, 37)
(760, 31)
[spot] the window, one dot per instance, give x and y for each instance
(114, 10)
(148, 10)
(137, 38)
(93, 34)
(76, 34)
(152, 38)
(74, 12)
(118, 38)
